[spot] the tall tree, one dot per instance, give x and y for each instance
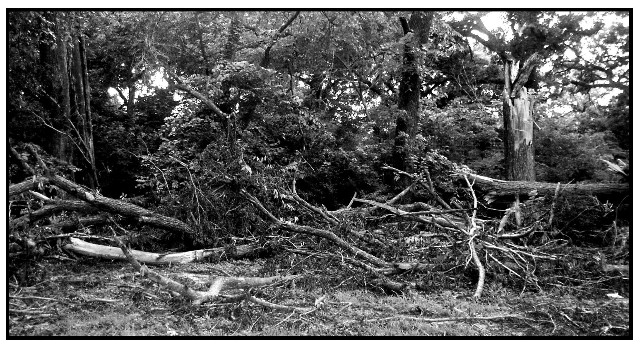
(416, 33)
(534, 36)
(60, 92)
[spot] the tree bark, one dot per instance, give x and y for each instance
(82, 100)
(62, 147)
(495, 187)
(233, 36)
(118, 207)
(410, 85)
(517, 110)
(518, 136)
(201, 45)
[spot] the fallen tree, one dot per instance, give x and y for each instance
(495, 188)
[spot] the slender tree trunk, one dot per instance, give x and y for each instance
(88, 121)
(131, 100)
(63, 148)
(233, 36)
(266, 59)
(201, 45)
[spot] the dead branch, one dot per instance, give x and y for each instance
(219, 284)
(264, 303)
(96, 250)
(439, 221)
(81, 222)
(314, 232)
(34, 183)
(25, 166)
(58, 207)
(199, 297)
(325, 215)
(172, 285)
(473, 232)
(438, 320)
(553, 205)
(119, 207)
(418, 179)
(519, 233)
(401, 194)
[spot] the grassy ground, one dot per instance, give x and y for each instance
(104, 298)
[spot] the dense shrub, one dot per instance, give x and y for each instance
(563, 154)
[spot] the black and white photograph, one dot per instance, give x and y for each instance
(318, 173)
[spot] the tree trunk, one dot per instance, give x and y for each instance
(131, 86)
(496, 188)
(517, 112)
(233, 36)
(62, 147)
(518, 137)
(409, 91)
(81, 99)
(266, 58)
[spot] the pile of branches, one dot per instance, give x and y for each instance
(440, 223)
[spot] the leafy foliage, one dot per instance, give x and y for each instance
(323, 109)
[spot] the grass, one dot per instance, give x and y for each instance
(104, 298)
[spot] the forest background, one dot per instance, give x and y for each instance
(229, 127)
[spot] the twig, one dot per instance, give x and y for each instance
(329, 218)
(401, 194)
(445, 319)
(35, 298)
(553, 204)
(277, 306)
(315, 232)
(520, 233)
(444, 221)
(472, 247)
(501, 264)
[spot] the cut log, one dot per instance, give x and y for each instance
(106, 252)
(495, 188)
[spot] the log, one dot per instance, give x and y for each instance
(119, 207)
(114, 253)
(68, 226)
(29, 184)
(496, 188)
(57, 207)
